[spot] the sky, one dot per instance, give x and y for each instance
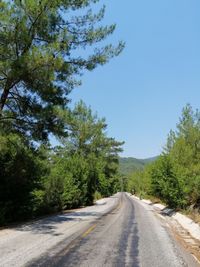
(142, 92)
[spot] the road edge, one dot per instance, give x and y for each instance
(187, 223)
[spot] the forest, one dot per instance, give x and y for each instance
(174, 177)
(45, 48)
(128, 165)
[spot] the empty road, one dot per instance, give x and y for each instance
(128, 234)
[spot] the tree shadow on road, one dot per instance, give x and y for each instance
(51, 224)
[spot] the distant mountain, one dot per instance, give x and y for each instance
(149, 160)
(129, 165)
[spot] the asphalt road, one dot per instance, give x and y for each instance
(119, 231)
(130, 235)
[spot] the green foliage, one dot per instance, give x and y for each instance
(87, 138)
(42, 55)
(37, 181)
(21, 170)
(175, 176)
(97, 195)
(165, 182)
(139, 183)
(130, 165)
(86, 162)
(42, 52)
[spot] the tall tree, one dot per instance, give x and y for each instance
(21, 169)
(175, 176)
(42, 46)
(89, 149)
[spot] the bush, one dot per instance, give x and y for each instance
(97, 196)
(165, 183)
(19, 176)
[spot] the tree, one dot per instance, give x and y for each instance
(165, 182)
(185, 154)
(41, 54)
(175, 176)
(21, 170)
(88, 159)
(139, 182)
(110, 182)
(88, 138)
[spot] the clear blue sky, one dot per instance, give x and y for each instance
(142, 92)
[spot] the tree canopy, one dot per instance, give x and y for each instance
(42, 52)
(45, 47)
(175, 176)
(38, 180)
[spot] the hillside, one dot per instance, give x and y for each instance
(129, 165)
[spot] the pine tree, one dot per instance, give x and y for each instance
(42, 45)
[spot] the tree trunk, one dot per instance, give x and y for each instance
(8, 86)
(4, 97)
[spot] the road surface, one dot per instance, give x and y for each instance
(128, 234)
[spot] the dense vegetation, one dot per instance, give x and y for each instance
(42, 52)
(175, 176)
(38, 180)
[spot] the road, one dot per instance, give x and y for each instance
(128, 234)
